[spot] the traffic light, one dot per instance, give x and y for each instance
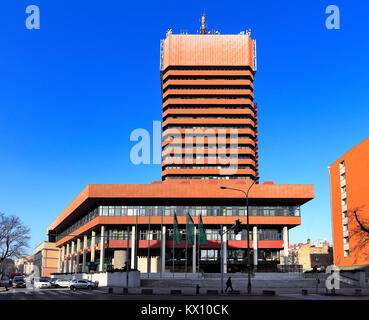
(237, 227)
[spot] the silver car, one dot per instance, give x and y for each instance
(19, 282)
(81, 284)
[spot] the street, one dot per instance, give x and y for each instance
(102, 294)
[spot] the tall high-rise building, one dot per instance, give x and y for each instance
(209, 115)
(207, 91)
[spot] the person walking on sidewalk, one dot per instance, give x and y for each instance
(229, 284)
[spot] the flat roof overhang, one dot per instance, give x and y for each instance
(180, 194)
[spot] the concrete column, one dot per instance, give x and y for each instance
(102, 248)
(194, 252)
(225, 269)
(285, 245)
(163, 244)
(59, 260)
(72, 263)
(133, 248)
(63, 260)
(77, 254)
(255, 244)
(93, 244)
(67, 268)
(84, 254)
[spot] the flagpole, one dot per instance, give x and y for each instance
(173, 246)
(198, 246)
(148, 250)
(136, 243)
(162, 236)
(186, 245)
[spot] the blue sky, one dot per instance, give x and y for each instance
(72, 92)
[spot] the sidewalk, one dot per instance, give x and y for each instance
(186, 291)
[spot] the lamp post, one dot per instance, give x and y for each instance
(248, 231)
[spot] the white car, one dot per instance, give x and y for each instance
(63, 283)
(41, 283)
(82, 284)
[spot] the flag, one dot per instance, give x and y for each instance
(190, 230)
(176, 235)
(202, 235)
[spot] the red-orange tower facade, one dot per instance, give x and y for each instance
(209, 115)
(349, 195)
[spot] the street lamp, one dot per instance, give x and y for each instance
(248, 230)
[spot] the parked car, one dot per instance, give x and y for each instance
(53, 282)
(47, 279)
(82, 284)
(62, 283)
(18, 282)
(12, 275)
(41, 283)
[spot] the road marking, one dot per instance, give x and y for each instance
(64, 292)
(86, 292)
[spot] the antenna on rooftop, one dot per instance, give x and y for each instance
(203, 26)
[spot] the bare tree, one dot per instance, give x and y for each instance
(14, 237)
(360, 232)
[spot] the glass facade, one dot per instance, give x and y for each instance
(197, 210)
(213, 211)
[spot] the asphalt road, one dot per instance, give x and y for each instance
(102, 294)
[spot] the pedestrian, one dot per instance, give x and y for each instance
(229, 284)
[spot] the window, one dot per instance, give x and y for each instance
(118, 211)
(236, 255)
(105, 211)
(269, 234)
(209, 255)
(143, 235)
(142, 211)
(167, 211)
(227, 211)
(130, 211)
(212, 234)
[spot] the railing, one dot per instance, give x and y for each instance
(175, 275)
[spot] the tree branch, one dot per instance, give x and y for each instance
(362, 227)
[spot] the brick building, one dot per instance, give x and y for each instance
(319, 253)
